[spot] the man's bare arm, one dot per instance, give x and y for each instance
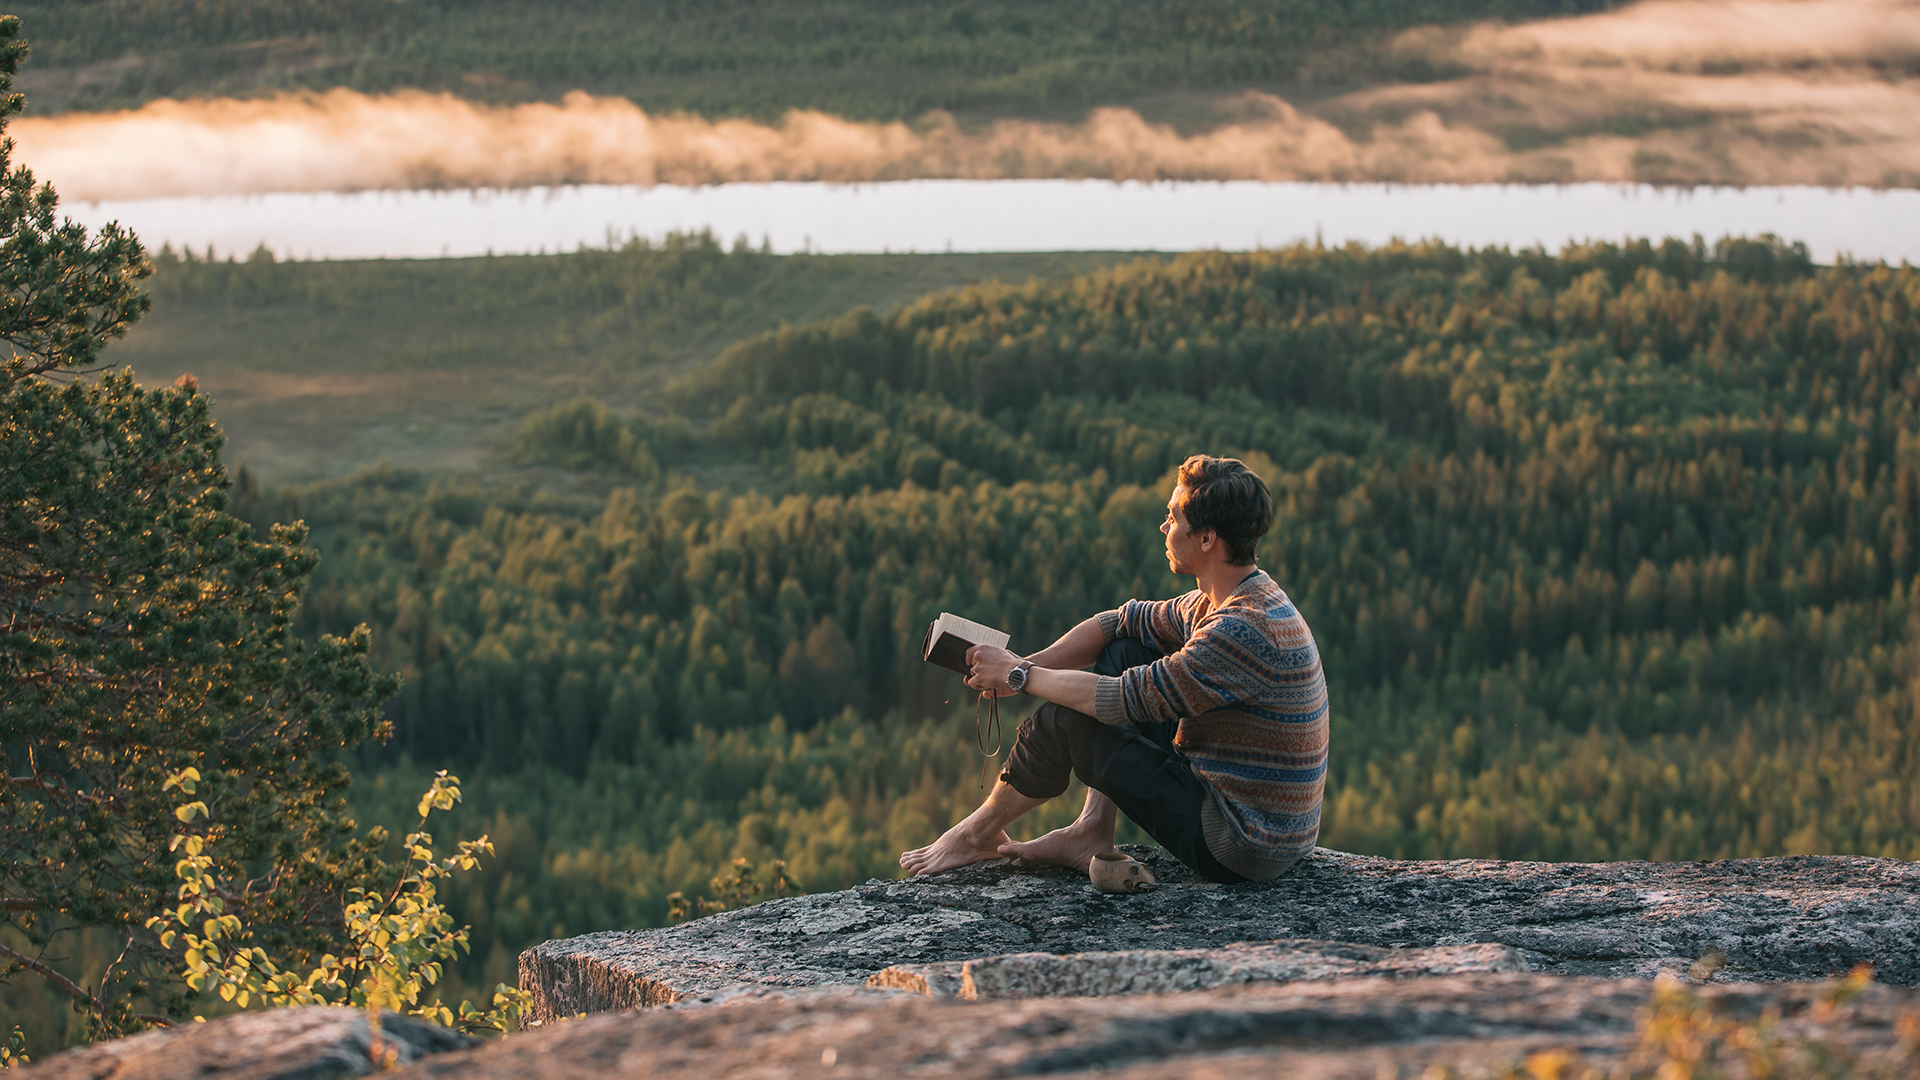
(1055, 675)
(1073, 689)
(1064, 687)
(1077, 648)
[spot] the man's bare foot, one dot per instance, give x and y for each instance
(1073, 847)
(956, 847)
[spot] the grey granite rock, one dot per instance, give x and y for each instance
(1170, 971)
(1351, 1029)
(946, 979)
(272, 1044)
(1802, 917)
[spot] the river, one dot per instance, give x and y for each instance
(1013, 215)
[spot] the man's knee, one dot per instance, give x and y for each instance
(1123, 653)
(1052, 726)
(1040, 763)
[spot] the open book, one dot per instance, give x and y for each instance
(950, 636)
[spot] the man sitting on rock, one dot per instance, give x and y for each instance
(1204, 717)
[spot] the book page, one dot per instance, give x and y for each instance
(977, 633)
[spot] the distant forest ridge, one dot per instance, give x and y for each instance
(863, 59)
(1610, 554)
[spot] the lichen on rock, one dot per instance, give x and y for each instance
(312, 1043)
(1173, 971)
(1348, 967)
(1800, 917)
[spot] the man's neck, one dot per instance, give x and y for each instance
(1221, 579)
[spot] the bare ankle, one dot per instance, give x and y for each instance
(1094, 827)
(976, 835)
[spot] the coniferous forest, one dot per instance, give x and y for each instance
(1610, 554)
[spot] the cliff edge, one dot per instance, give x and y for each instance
(1350, 968)
(1793, 918)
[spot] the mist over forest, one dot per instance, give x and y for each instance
(140, 98)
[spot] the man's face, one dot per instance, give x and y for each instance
(1183, 547)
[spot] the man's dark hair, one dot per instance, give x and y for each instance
(1227, 497)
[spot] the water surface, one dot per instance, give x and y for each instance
(1015, 215)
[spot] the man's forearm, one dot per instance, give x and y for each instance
(1056, 674)
(1077, 648)
(1073, 689)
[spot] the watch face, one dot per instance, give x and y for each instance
(1017, 678)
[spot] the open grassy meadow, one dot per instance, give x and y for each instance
(319, 369)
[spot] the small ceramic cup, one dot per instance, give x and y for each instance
(1113, 872)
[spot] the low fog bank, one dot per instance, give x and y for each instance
(1822, 92)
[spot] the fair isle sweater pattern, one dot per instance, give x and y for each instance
(1245, 683)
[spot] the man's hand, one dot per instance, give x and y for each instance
(988, 666)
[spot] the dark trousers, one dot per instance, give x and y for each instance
(1135, 765)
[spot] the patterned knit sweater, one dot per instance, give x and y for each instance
(1244, 681)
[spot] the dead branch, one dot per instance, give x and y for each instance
(51, 976)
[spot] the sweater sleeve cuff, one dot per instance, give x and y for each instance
(1109, 703)
(1109, 626)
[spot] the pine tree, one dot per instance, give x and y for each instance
(144, 630)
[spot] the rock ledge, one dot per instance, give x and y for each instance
(1795, 918)
(270, 1044)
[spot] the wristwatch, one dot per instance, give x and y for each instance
(1017, 678)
